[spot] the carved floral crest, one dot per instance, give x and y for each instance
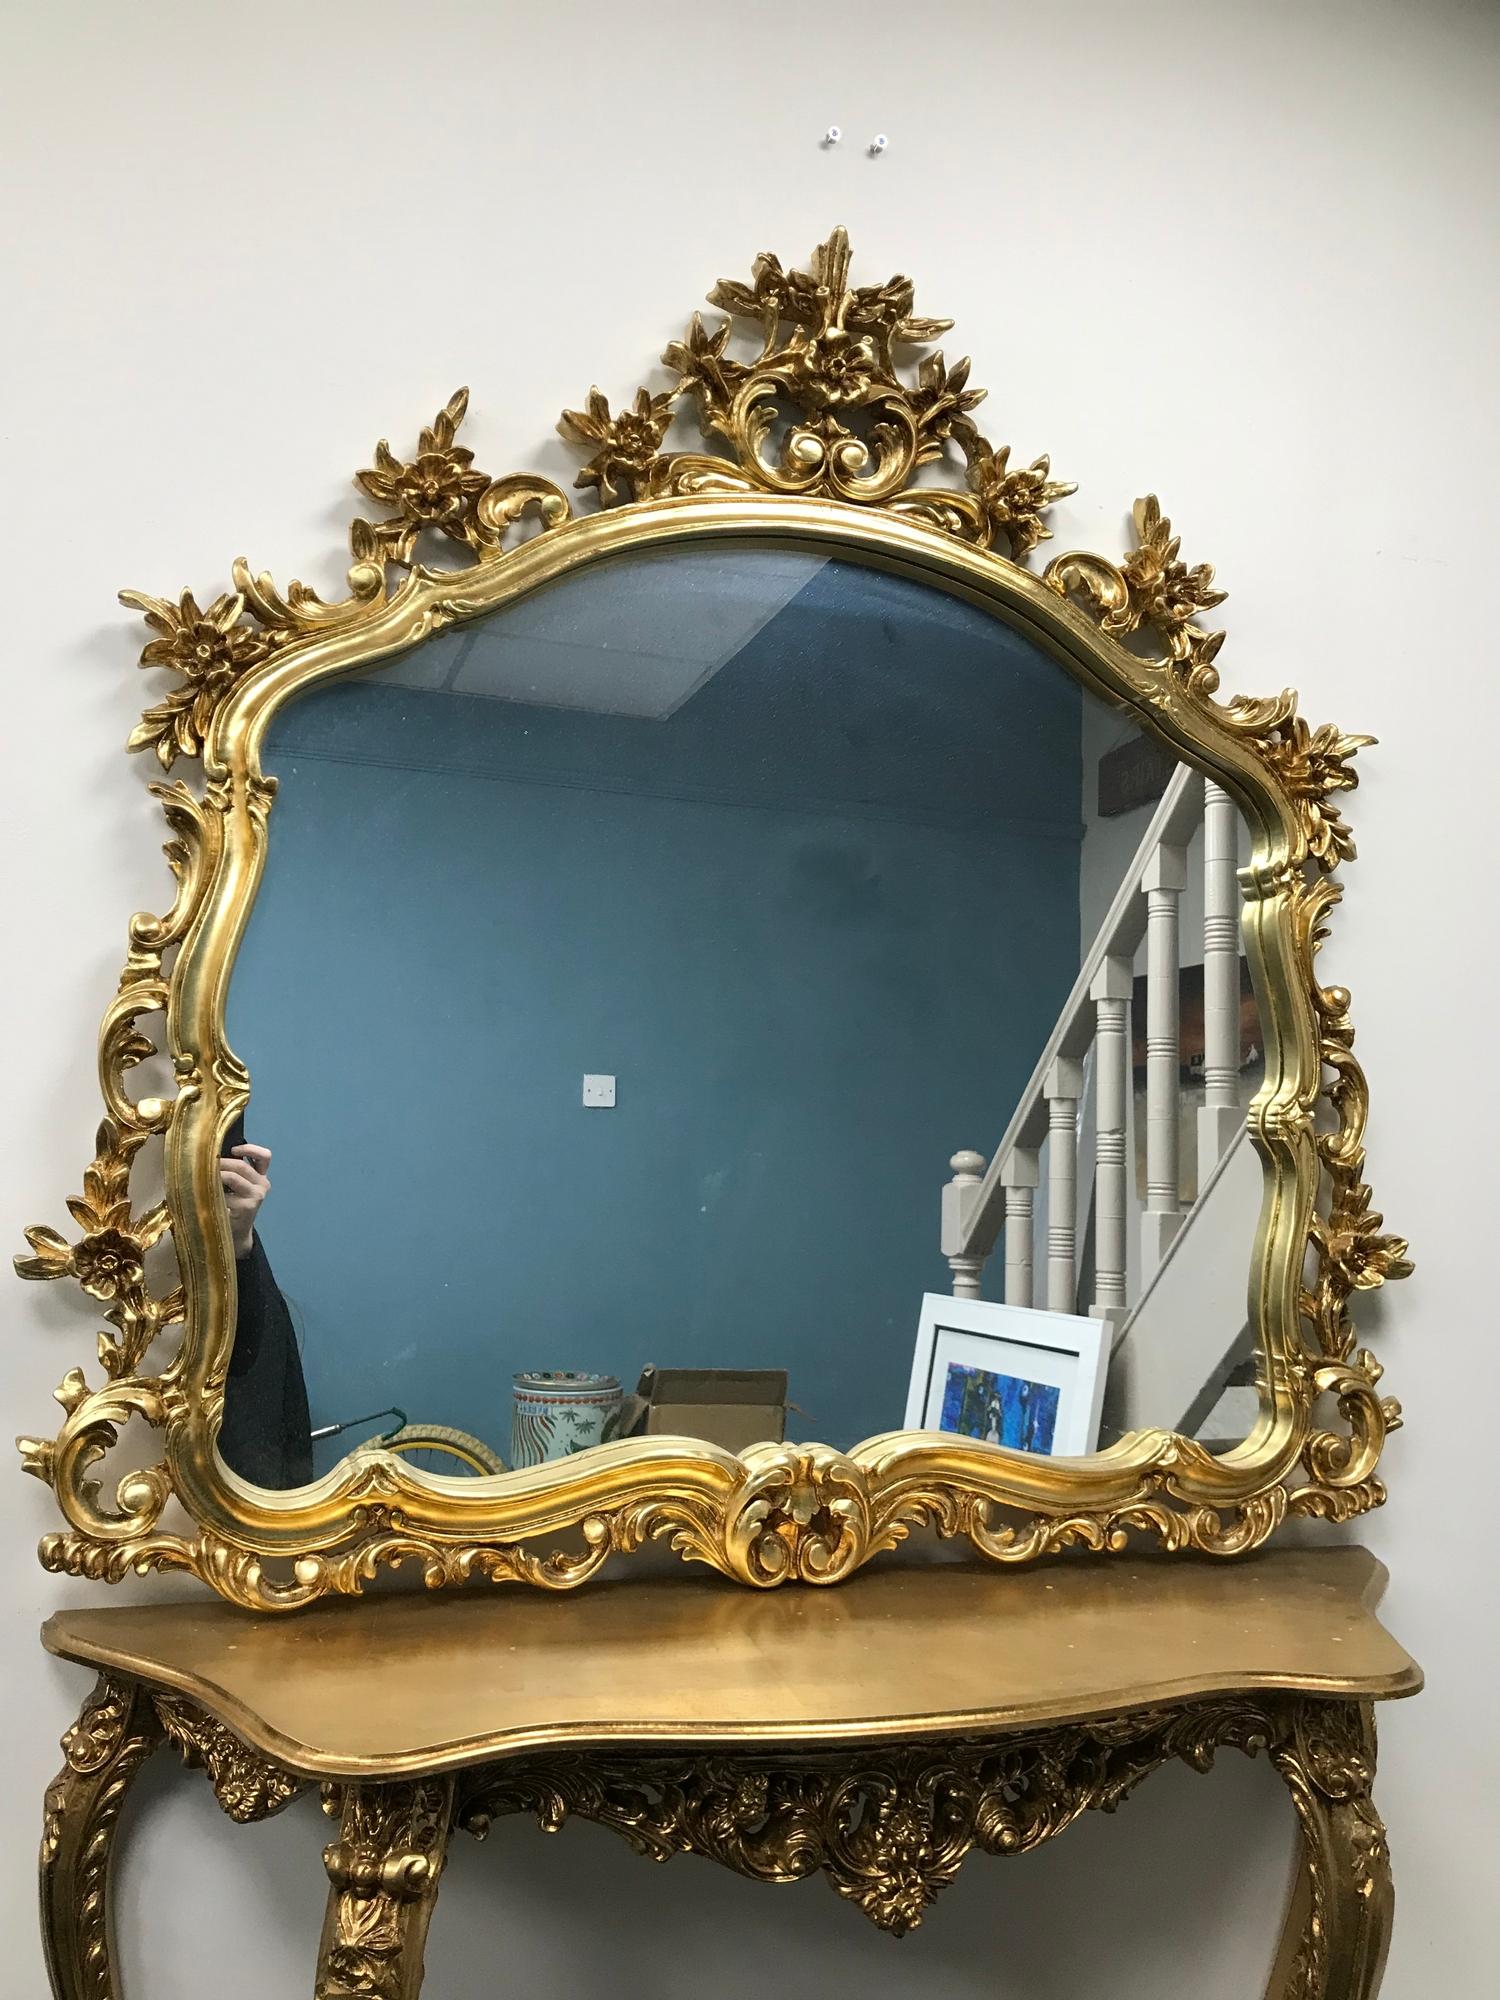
(838, 404)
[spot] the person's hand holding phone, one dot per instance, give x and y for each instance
(243, 1173)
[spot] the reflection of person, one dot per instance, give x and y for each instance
(266, 1431)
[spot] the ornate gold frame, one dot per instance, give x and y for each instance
(888, 1826)
(847, 474)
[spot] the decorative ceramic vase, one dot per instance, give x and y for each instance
(556, 1414)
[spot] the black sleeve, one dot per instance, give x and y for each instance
(266, 1432)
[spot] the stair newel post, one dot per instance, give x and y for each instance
(1162, 884)
(1110, 993)
(1063, 1089)
(1020, 1172)
(959, 1197)
(1220, 1116)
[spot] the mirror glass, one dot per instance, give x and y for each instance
(629, 966)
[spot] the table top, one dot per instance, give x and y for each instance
(407, 1682)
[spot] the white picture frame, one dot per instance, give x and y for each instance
(961, 1341)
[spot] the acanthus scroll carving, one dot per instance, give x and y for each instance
(1327, 1760)
(103, 1751)
(823, 409)
(247, 1785)
(383, 1870)
(890, 1828)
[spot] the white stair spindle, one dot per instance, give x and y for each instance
(1063, 1088)
(1162, 884)
(1220, 1116)
(1019, 1175)
(959, 1197)
(1110, 993)
(1120, 935)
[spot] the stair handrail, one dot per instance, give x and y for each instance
(972, 1222)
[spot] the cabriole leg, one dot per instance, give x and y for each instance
(1339, 1923)
(115, 1733)
(383, 1870)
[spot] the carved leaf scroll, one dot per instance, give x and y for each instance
(890, 1828)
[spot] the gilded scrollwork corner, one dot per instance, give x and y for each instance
(212, 651)
(825, 409)
(107, 1260)
(1153, 591)
(247, 1785)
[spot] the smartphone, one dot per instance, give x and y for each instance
(235, 1136)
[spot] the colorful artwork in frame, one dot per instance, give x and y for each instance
(1002, 1409)
(1018, 1377)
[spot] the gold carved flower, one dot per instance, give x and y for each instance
(1314, 765)
(210, 649)
(1164, 592)
(436, 489)
(108, 1259)
(433, 490)
(905, 1875)
(771, 296)
(942, 400)
(1015, 498)
(108, 1263)
(1359, 1250)
(835, 370)
(627, 445)
(704, 366)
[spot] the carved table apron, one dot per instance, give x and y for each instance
(877, 1733)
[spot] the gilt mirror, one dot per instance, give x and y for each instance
(756, 1016)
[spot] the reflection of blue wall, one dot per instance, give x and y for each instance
(818, 924)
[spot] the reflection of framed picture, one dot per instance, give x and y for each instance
(1010, 1375)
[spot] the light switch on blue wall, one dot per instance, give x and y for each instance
(599, 1093)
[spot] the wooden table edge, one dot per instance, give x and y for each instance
(305, 1760)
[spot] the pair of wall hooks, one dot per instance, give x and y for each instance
(836, 132)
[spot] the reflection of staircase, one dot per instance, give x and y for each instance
(1062, 1185)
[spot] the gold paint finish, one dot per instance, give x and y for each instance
(853, 470)
(104, 1749)
(907, 1649)
(383, 1873)
(975, 1711)
(890, 1828)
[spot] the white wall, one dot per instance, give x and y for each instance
(1237, 253)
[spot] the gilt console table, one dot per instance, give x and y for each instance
(878, 1732)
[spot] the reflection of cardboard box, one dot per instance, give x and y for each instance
(732, 1407)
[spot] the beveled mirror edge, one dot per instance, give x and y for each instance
(777, 1512)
